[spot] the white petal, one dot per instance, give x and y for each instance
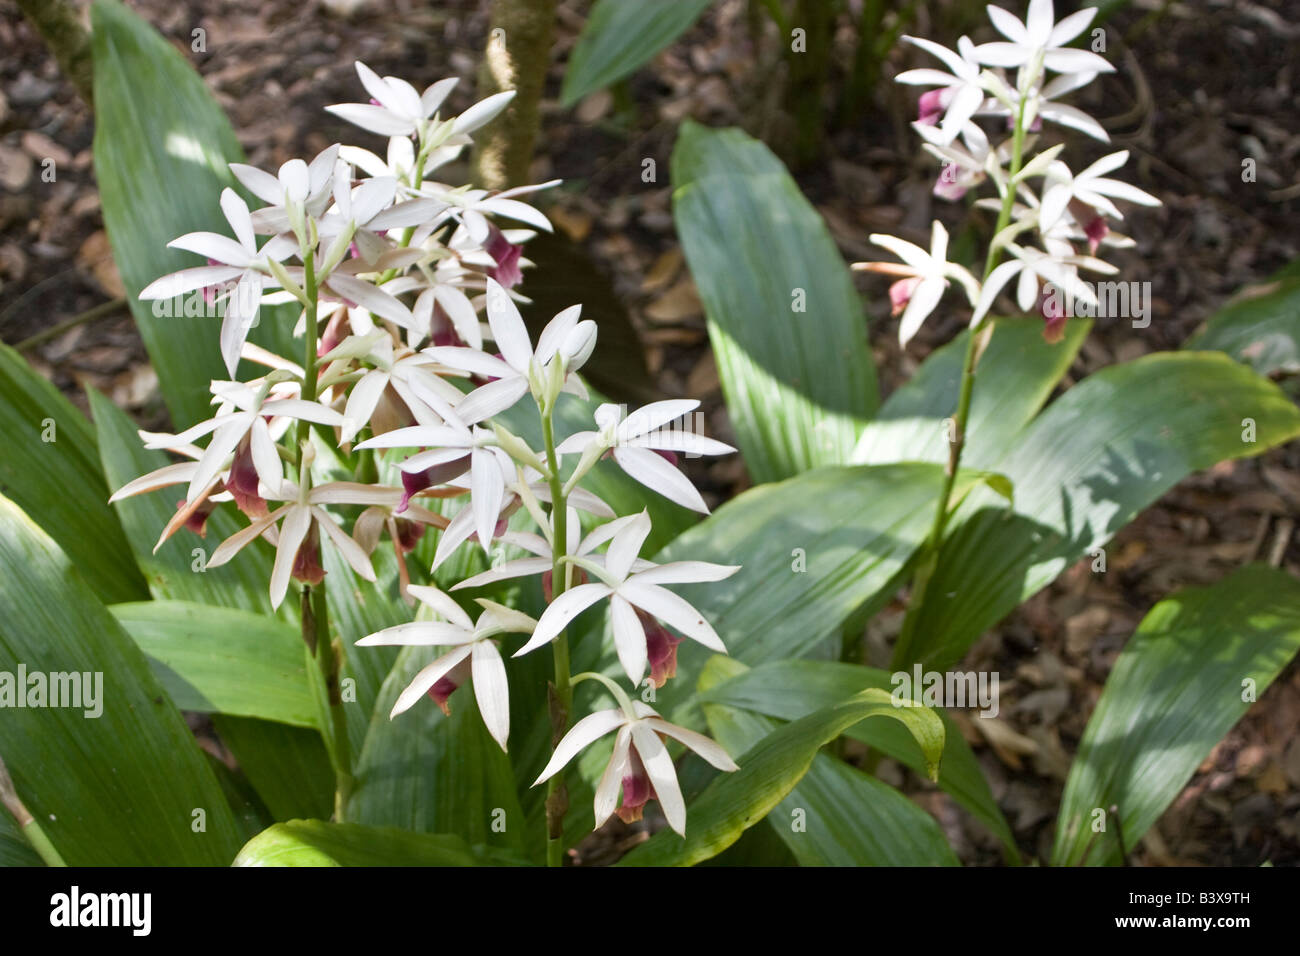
(673, 610)
(647, 418)
(1067, 60)
(709, 749)
(488, 491)
(1071, 26)
(611, 780)
(998, 278)
(187, 280)
(626, 545)
(292, 533)
(585, 732)
(685, 572)
(508, 329)
(376, 119)
(492, 690)
(427, 677)
(491, 399)
(659, 767)
(629, 639)
(236, 211)
(362, 401)
(443, 603)
(657, 474)
(482, 112)
(1007, 24)
(561, 611)
(924, 298)
(221, 248)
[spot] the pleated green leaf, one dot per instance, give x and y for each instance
(1082, 470)
(789, 690)
(1190, 671)
(96, 782)
(784, 319)
(837, 815)
(216, 660)
(769, 770)
(620, 37)
(162, 145)
(1014, 378)
(50, 469)
(315, 843)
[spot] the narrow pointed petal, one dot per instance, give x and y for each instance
(560, 612)
(659, 766)
(585, 732)
(673, 610)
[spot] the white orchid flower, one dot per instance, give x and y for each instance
(960, 92)
(634, 443)
(640, 763)
(923, 277)
(235, 259)
(1035, 267)
(628, 590)
(1040, 36)
(1089, 187)
(474, 654)
(297, 546)
(520, 368)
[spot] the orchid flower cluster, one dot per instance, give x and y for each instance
(1043, 230)
(392, 271)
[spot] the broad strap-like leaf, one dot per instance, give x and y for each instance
(836, 815)
(1191, 670)
(114, 775)
(316, 843)
(50, 468)
(620, 37)
(785, 322)
(217, 660)
(770, 769)
(813, 550)
(1260, 326)
(162, 145)
(789, 690)
(1014, 378)
(1082, 470)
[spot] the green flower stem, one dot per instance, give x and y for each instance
(315, 605)
(26, 822)
(557, 798)
(930, 550)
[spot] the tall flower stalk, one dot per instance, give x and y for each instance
(1069, 210)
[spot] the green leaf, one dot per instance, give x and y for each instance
(804, 570)
(1186, 676)
(789, 690)
(119, 788)
(1014, 378)
(162, 145)
(733, 802)
(51, 470)
(1082, 470)
(288, 766)
(315, 843)
(215, 660)
(1260, 327)
(845, 817)
(620, 37)
(800, 385)
(430, 773)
